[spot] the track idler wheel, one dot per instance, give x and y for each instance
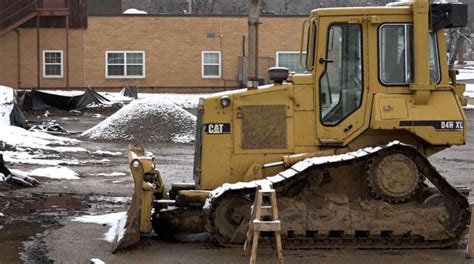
(454, 211)
(394, 177)
(230, 220)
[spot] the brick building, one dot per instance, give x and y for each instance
(166, 52)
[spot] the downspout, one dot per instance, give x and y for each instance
(18, 58)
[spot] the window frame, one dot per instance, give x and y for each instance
(277, 61)
(362, 62)
(379, 55)
(45, 76)
(219, 76)
(125, 76)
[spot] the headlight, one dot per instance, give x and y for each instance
(225, 101)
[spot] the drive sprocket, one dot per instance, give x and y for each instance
(393, 178)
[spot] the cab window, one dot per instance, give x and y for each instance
(342, 82)
(396, 55)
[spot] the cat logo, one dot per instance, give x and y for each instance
(217, 128)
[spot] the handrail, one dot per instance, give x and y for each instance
(17, 13)
(18, 4)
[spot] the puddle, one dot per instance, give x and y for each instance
(26, 221)
(11, 239)
(102, 203)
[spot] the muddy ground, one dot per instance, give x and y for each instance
(36, 225)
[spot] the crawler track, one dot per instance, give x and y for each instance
(333, 237)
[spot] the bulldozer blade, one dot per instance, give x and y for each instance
(130, 234)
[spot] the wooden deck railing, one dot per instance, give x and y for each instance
(13, 12)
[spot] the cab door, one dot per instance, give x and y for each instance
(341, 93)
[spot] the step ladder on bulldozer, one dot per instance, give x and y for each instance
(264, 219)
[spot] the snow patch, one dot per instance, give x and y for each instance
(107, 153)
(19, 137)
(6, 105)
(113, 174)
(469, 91)
(116, 221)
(465, 74)
(134, 11)
(183, 138)
(469, 107)
(58, 172)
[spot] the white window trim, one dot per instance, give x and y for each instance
(44, 64)
(125, 76)
(287, 52)
(219, 64)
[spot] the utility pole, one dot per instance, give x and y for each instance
(190, 6)
(252, 68)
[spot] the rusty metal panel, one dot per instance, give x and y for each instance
(264, 127)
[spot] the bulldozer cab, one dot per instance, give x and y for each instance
(356, 53)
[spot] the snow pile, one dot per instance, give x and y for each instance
(116, 221)
(149, 120)
(133, 11)
(469, 107)
(6, 105)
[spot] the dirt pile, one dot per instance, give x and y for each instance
(150, 120)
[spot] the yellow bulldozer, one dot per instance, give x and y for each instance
(344, 144)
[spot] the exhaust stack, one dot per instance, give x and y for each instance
(252, 68)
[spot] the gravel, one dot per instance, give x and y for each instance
(149, 120)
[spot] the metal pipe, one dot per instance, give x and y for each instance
(273, 164)
(38, 60)
(18, 58)
(67, 52)
(253, 21)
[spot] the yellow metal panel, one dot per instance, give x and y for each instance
(305, 133)
(303, 97)
(300, 79)
(393, 108)
(422, 119)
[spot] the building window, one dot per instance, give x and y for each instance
(52, 64)
(290, 60)
(396, 55)
(211, 64)
(125, 64)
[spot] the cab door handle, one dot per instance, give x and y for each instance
(323, 60)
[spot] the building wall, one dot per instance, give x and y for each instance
(50, 39)
(172, 45)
